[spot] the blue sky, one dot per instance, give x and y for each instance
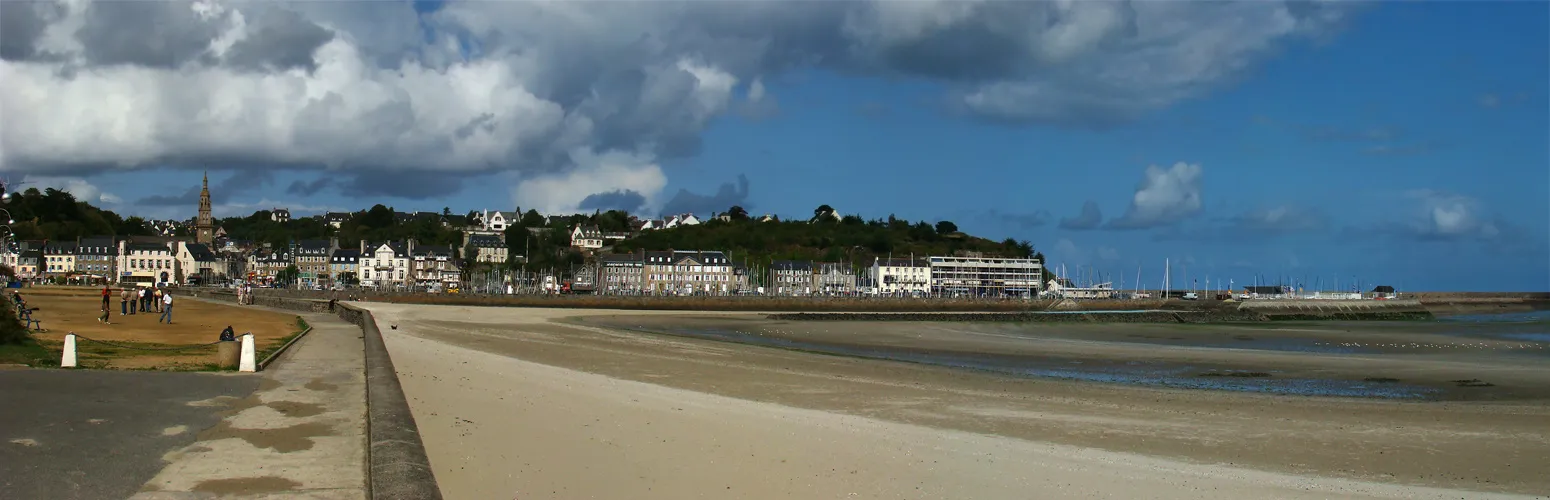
(1406, 144)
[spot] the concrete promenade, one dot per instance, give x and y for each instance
(97, 434)
(301, 435)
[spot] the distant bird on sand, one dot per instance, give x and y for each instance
(395, 327)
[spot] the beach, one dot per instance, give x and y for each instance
(542, 403)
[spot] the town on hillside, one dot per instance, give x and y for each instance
(54, 238)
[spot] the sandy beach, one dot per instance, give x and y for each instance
(532, 403)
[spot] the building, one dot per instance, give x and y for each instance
(311, 259)
(680, 220)
(686, 272)
(265, 265)
(986, 276)
(791, 277)
(336, 219)
(145, 263)
(196, 264)
(204, 224)
(280, 215)
(620, 274)
(1384, 292)
(28, 262)
(435, 269)
(586, 237)
(386, 265)
(58, 259)
(900, 276)
(95, 256)
(837, 278)
(494, 222)
(1064, 288)
(1264, 291)
(344, 267)
(485, 248)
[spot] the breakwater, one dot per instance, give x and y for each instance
(1292, 310)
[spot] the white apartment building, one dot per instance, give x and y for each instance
(900, 276)
(146, 263)
(58, 258)
(195, 262)
(985, 276)
(387, 265)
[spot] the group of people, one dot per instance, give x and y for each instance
(245, 294)
(138, 300)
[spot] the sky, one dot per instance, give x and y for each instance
(1312, 143)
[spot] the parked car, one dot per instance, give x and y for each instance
(1191, 296)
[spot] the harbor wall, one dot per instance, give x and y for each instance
(1337, 309)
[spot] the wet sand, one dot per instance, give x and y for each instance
(510, 402)
(1415, 360)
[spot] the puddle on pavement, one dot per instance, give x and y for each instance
(295, 409)
(284, 439)
(1132, 372)
(246, 485)
(318, 384)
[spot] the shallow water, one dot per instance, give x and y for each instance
(1133, 372)
(1518, 317)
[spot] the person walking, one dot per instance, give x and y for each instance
(156, 298)
(107, 299)
(140, 292)
(166, 308)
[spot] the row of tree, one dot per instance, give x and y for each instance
(52, 214)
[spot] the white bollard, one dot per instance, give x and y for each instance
(249, 362)
(68, 361)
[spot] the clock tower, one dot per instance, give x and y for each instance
(204, 226)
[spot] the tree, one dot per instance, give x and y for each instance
(737, 213)
(288, 275)
(532, 219)
(946, 227)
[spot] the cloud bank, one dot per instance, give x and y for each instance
(398, 102)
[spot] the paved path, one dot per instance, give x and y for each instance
(76, 434)
(302, 435)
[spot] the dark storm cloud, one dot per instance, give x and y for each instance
(625, 199)
(728, 195)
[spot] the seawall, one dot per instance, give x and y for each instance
(1284, 310)
(275, 301)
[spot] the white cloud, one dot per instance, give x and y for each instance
(1447, 216)
(516, 86)
(82, 189)
(595, 173)
(1164, 197)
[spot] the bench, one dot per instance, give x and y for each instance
(29, 322)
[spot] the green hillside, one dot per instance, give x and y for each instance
(850, 239)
